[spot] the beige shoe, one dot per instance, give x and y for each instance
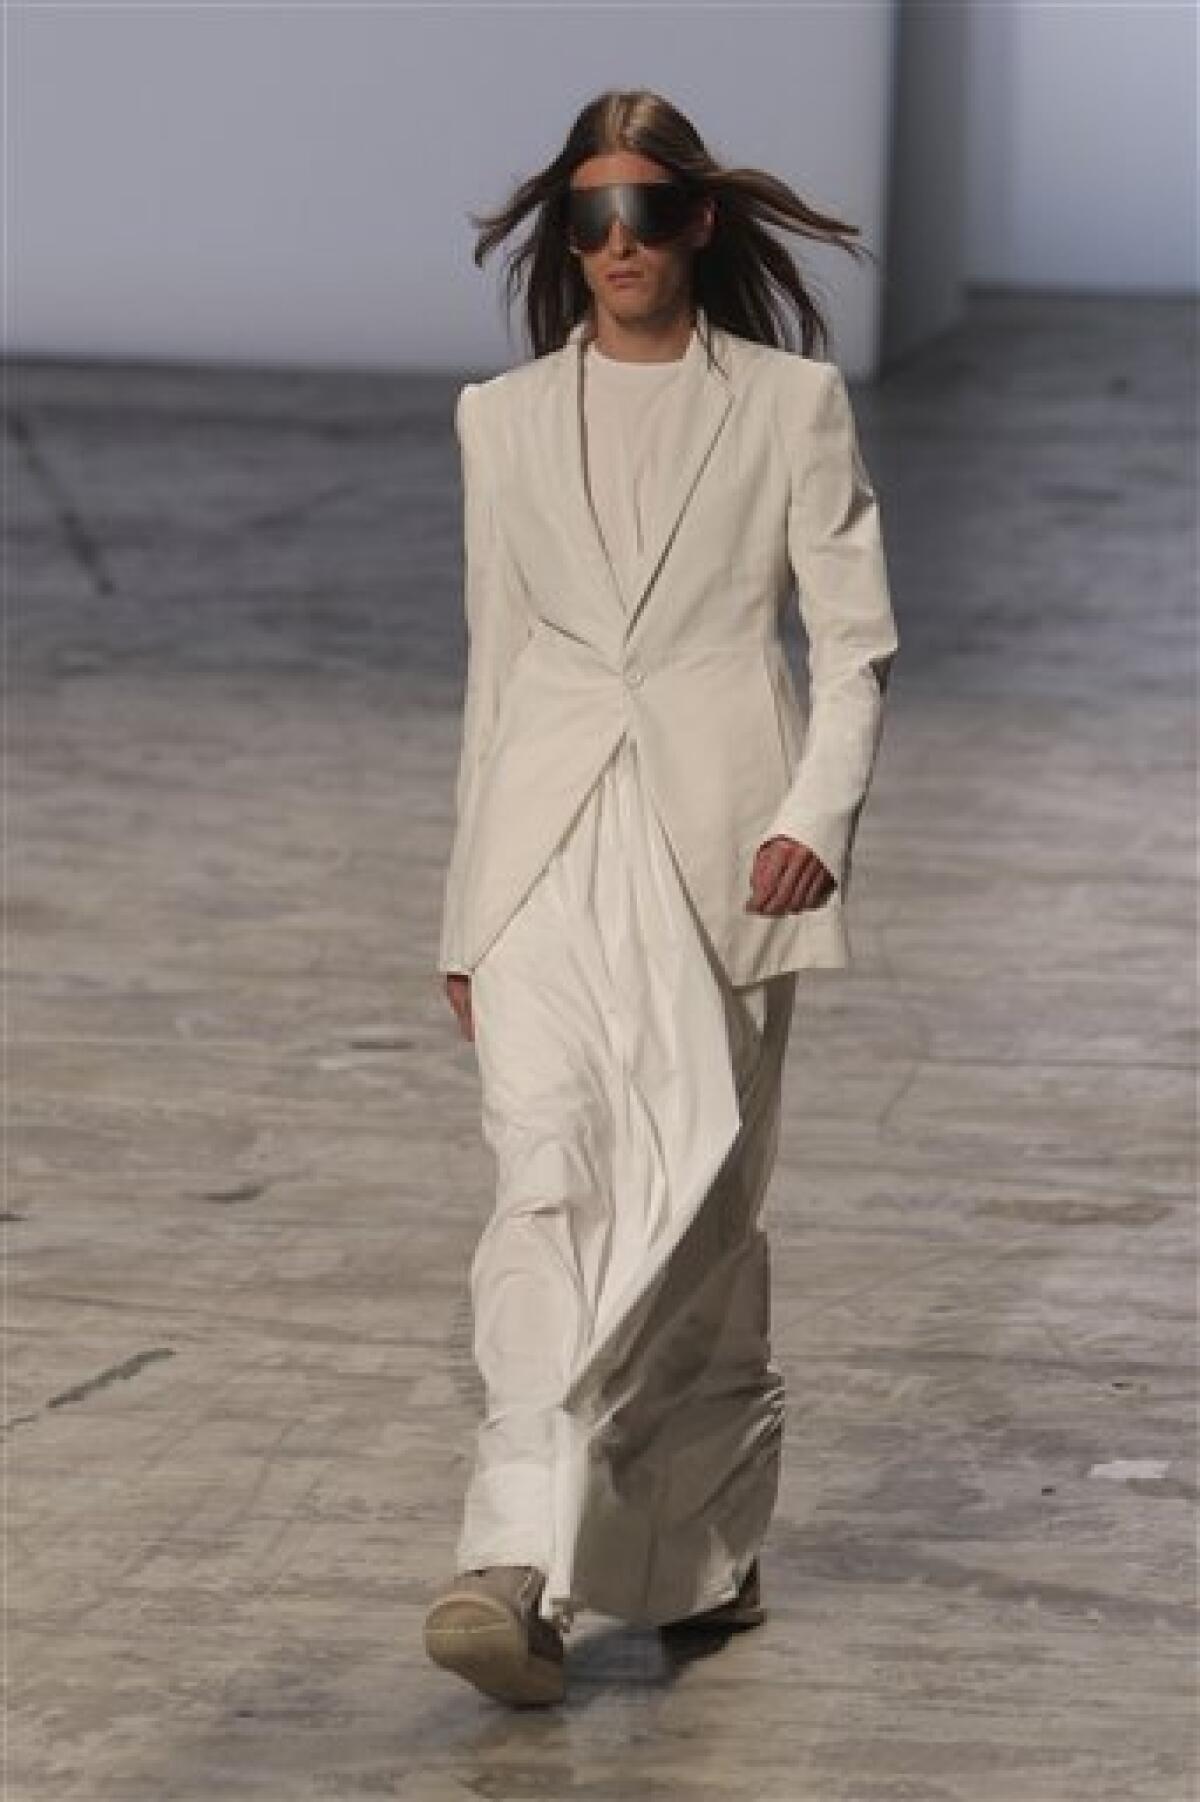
(484, 1626)
(745, 1609)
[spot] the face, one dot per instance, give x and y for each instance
(631, 280)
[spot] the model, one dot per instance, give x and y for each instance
(651, 844)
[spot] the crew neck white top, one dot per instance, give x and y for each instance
(602, 357)
(625, 407)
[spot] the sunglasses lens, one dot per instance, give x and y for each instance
(589, 213)
(663, 209)
(654, 211)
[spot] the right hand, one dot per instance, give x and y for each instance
(458, 991)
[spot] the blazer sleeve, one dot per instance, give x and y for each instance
(497, 625)
(836, 550)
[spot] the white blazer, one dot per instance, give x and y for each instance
(766, 484)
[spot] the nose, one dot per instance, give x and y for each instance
(624, 237)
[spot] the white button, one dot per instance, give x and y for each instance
(633, 676)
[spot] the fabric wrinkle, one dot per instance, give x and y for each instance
(633, 1427)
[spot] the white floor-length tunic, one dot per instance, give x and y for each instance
(634, 1417)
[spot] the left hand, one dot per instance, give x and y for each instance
(787, 877)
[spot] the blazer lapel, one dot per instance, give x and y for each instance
(699, 411)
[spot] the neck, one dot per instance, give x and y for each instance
(657, 338)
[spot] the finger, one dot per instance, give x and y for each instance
(784, 885)
(769, 864)
(773, 874)
(821, 886)
(807, 888)
(805, 883)
(824, 887)
(460, 1000)
(796, 887)
(763, 878)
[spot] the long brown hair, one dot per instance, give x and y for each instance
(743, 278)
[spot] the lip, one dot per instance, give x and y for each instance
(619, 277)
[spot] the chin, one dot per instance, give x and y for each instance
(633, 300)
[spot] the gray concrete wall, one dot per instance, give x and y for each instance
(926, 230)
(1082, 172)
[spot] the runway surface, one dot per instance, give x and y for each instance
(245, 1171)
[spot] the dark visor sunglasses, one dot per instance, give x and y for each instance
(654, 211)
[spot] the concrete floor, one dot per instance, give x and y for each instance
(245, 1171)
